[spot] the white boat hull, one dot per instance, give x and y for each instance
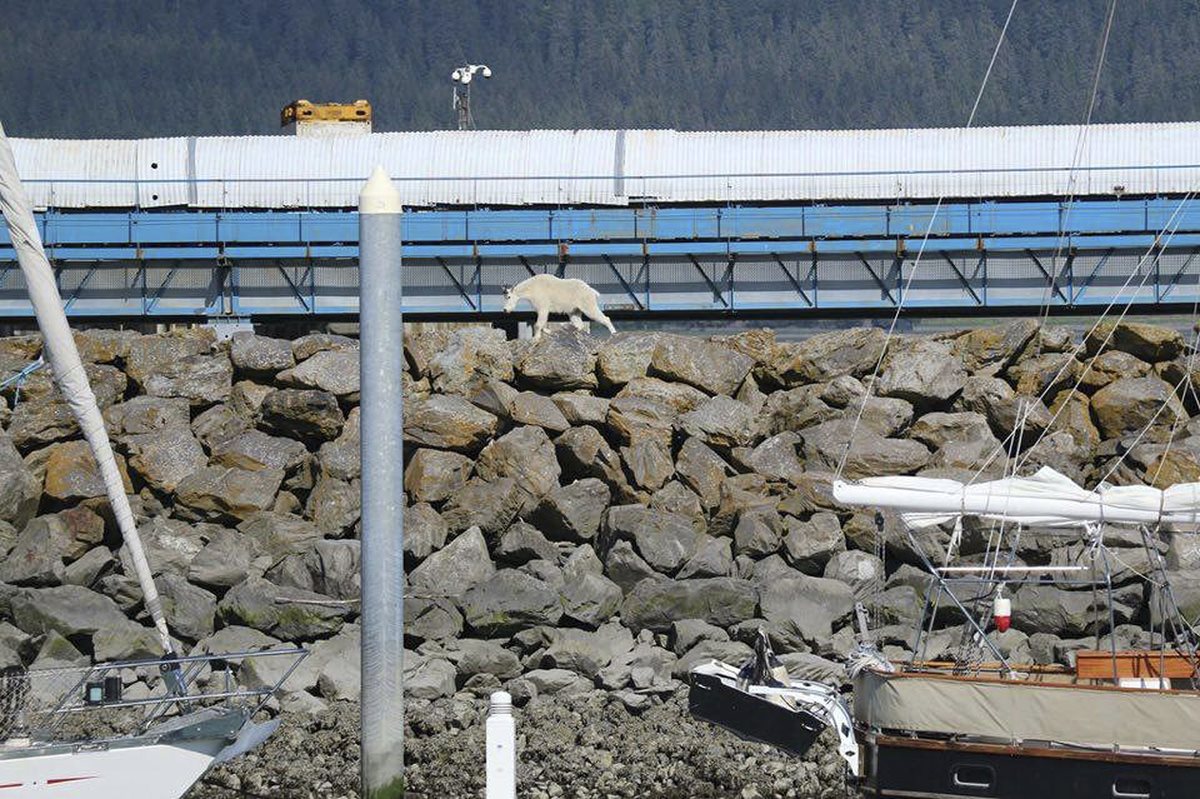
(157, 771)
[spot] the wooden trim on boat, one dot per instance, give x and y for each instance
(1092, 664)
(907, 672)
(1023, 750)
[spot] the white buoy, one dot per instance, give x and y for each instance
(501, 748)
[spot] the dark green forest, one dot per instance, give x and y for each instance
(110, 68)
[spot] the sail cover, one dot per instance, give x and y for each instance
(1046, 498)
(58, 349)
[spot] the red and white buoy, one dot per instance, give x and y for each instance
(1002, 610)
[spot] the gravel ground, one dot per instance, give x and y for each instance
(587, 746)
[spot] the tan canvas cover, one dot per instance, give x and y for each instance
(1024, 711)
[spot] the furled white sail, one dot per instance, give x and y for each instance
(58, 349)
(1045, 498)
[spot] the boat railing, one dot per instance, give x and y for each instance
(121, 698)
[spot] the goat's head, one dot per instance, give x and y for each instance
(510, 299)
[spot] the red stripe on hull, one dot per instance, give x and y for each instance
(61, 780)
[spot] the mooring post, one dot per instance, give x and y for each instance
(501, 746)
(381, 369)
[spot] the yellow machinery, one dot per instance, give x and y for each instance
(305, 111)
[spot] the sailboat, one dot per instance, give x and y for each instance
(155, 746)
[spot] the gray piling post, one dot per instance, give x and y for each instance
(381, 367)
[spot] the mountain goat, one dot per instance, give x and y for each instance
(549, 294)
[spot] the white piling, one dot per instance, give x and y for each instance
(381, 367)
(501, 748)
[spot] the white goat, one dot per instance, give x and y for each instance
(549, 294)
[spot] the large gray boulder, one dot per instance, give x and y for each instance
(334, 371)
(722, 423)
(807, 606)
(702, 470)
(1151, 343)
(679, 396)
(648, 464)
(996, 400)
(870, 454)
(713, 558)
(469, 354)
(585, 652)
(808, 545)
(291, 614)
(254, 450)
(200, 379)
(224, 493)
(925, 373)
(664, 540)
(562, 359)
(447, 422)
(625, 357)
(489, 505)
(334, 506)
(633, 419)
(144, 414)
(995, 344)
(572, 512)
(222, 563)
(526, 455)
(424, 531)
(825, 356)
(795, 409)
(626, 568)
(1126, 406)
(708, 366)
(434, 475)
(164, 457)
(71, 472)
(218, 424)
(455, 568)
(510, 601)
(656, 604)
(1049, 609)
(303, 413)
(260, 356)
(579, 408)
(19, 488)
(522, 543)
(583, 452)
(777, 458)
(305, 347)
(274, 536)
(69, 610)
(531, 408)
(190, 610)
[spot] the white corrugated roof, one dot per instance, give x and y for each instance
(611, 167)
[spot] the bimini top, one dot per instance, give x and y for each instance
(1046, 498)
(615, 167)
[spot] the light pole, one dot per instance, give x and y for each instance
(462, 78)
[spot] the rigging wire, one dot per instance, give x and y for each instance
(920, 253)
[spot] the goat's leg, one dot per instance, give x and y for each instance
(576, 320)
(594, 313)
(543, 316)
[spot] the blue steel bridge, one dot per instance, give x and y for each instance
(653, 253)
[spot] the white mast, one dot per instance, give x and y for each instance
(58, 349)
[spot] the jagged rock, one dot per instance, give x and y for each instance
(455, 568)
(246, 397)
(72, 474)
(87, 571)
(522, 543)
(144, 414)
(334, 505)
(472, 656)
(721, 422)
(334, 371)
(1150, 343)
(702, 470)
(1049, 609)
(686, 633)
(201, 379)
(166, 456)
(1127, 405)
(776, 458)
(733, 652)
(665, 540)
(530, 408)
(937, 429)
(995, 344)
(490, 505)
(713, 558)
(19, 488)
(656, 604)
(648, 464)
(340, 676)
(35, 424)
(275, 536)
(468, 354)
(287, 613)
(36, 559)
(1045, 374)
(625, 357)
(822, 357)
(710, 367)
(584, 453)
(680, 397)
(304, 413)
(524, 454)
(561, 359)
(447, 422)
(925, 373)
(589, 598)
(862, 571)
(1111, 365)
(493, 396)
(219, 424)
(509, 601)
(807, 606)
(586, 653)
(126, 641)
(633, 419)
(254, 450)
(148, 354)
(573, 512)
(431, 619)
(758, 533)
(222, 563)
(625, 567)
(190, 611)
(220, 492)
(735, 500)
(429, 679)
(335, 567)
(169, 544)
(104, 346)
(870, 454)
(551, 682)
(996, 400)
(69, 610)
(579, 408)
(424, 531)
(305, 347)
(259, 356)
(675, 497)
(434, 475)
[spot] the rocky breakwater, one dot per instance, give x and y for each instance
(587, 519)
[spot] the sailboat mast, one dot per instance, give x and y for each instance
(58, 349)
